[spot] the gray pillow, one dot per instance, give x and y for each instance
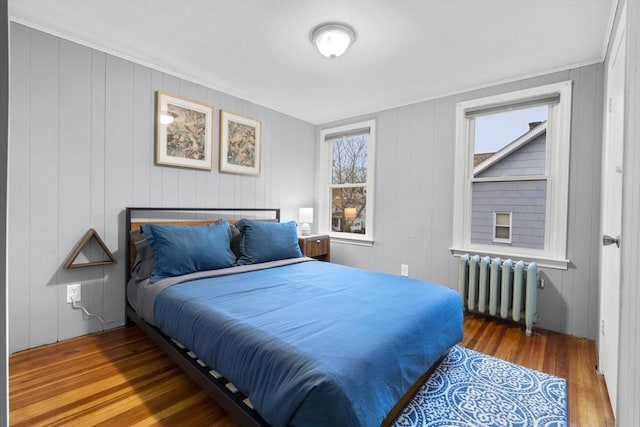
(236, 238)
(143, 265)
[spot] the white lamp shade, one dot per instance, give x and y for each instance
(306, 215)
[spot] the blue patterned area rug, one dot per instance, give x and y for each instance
(471, 389)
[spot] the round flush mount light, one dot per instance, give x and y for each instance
(333, 39)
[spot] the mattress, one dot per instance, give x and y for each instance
(313, 343)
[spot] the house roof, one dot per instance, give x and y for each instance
(510, 148)
(480, 157)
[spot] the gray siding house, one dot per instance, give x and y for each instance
(507, 211)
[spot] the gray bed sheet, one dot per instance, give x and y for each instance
(141, 295)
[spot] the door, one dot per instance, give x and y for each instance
(611, 211)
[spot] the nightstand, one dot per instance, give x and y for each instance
(316, 246)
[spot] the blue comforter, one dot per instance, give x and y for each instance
(315, 343)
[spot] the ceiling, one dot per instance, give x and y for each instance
(406, 50)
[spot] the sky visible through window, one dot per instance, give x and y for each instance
(494, 131)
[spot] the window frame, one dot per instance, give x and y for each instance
(554, 254)
(325, 185)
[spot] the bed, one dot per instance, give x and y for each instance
(274, 337)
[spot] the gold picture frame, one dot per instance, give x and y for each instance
(184, 132)
(240, 144)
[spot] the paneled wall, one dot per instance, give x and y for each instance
(82, 149)
(4, 139)
(628, 412)
(414, 198)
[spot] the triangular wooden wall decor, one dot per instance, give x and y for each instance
(90, 234)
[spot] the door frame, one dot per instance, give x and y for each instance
(618, 53)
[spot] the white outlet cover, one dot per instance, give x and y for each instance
(74, 289)
(404, 269)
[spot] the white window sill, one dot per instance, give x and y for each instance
(540, 259)
(506, 241)
(356, 240)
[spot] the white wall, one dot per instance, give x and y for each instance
(82, 149)
(414, 198)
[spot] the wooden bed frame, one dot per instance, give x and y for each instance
(218, 388)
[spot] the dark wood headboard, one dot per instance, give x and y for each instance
(136, 217)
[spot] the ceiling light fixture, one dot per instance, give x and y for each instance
(333, 39)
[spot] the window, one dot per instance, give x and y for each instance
(509, 175)
(512, 175)
(346, 182)
(502, 227)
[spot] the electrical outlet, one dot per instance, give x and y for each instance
(74, 292)
(540, 283)
(404, 269)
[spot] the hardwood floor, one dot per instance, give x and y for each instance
(120, 377)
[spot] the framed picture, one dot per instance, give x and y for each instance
(183, 132)
(240, 144)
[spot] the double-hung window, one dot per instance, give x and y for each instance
(346, 182)
(502, 227)
(512, 175)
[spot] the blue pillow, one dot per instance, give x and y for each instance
(182, 249)
(267, 241)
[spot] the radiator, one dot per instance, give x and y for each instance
(499, 287)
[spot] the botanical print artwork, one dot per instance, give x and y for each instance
(183, 132)
(186, 134)
(241, 144)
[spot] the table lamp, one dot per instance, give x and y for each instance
(306, 217)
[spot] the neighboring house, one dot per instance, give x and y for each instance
(511, 212)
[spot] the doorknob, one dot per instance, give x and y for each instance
(608, 240)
